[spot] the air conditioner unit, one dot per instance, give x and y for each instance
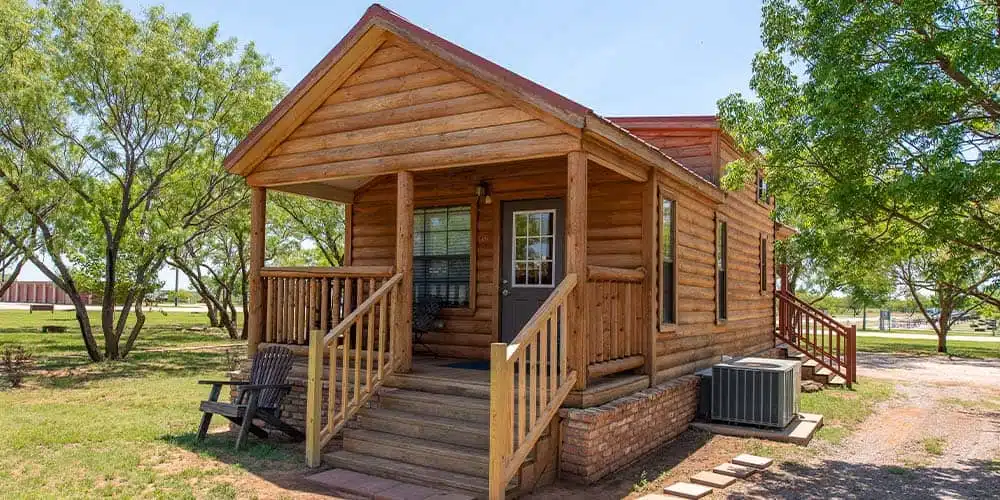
(756, 391)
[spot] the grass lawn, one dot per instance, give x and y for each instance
(843, 409)
(961, 349)
(126, 429)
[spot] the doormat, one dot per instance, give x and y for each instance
(470, 365)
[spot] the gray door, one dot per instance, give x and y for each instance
(531, 260)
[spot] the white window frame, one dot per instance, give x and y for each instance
(513, 247)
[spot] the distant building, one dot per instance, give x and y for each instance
(38, 292)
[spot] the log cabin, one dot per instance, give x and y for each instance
(581, 267)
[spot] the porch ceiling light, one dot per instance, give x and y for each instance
(483, 193)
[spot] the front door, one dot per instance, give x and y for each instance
(531, 260)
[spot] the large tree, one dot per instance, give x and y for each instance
(881, 117)
(112, 131)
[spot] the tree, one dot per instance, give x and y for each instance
(925, 276)
(112, 130)
(318, 224)
(880, 118)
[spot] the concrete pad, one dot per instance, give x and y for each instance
(799, 432)
(713, 479)
(354, 483)
(753, 461)
(737, 471)
(687, 490)
(406, 491)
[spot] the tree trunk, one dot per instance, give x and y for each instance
(864, 318)
(213, 315)
(83, 319)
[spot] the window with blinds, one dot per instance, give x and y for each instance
(442, 244)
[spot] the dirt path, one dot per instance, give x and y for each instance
(938, 438)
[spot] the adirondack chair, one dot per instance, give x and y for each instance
(260, 398)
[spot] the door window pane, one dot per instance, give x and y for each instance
(534, 248)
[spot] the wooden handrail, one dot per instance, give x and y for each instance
(830, 344)
(327, 272)
(532, 369)
(362, 342)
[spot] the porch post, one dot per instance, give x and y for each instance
(650, 257)
(576, 262)
(402, 333)
(255, 316)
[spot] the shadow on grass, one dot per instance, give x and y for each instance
(70, 371)
(837, 479)
(277, 460)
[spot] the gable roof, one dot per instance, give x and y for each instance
(378, 21)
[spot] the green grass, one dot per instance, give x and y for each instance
(934, 445)
(844, 409)
(961, 349)
(123, 429)
(959, 331)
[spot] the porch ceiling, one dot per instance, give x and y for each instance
(340, 190)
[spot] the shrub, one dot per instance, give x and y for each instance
(15, 362)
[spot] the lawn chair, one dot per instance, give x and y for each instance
(425, 319)
(260, 398)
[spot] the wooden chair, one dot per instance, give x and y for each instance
(260, 398)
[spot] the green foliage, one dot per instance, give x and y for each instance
(15, 363)
(877, 124)
(112, 132)
(315, 226)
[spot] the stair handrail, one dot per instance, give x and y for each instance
(538, 355)
(846, 336)
(357, 332)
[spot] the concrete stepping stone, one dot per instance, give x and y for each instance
(753, 461)
(713, 479)
(657, 496)
(354, 483)
(687, 490)
(737, 471)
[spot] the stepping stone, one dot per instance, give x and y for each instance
(737, 471)
(753, 461)
(687, 490)
(657, 496)
(713, 479)
(406, 491)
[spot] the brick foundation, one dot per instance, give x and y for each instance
(600, 440)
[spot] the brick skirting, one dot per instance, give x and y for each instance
(600, 440)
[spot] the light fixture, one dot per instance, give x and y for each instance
(483, 193)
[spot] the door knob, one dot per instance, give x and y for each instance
(505, 292)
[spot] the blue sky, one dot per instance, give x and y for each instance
(617, 57)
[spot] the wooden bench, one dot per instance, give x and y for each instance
(41, 307)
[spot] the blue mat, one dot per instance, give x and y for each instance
(471, 365)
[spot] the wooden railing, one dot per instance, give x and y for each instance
(528, 384)
(298, 300)
(615, 300)
(358, 348)
(818, 336)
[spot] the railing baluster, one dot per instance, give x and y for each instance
(542, 368)
(521, 408)
(331, 388)
(562, 343)
(370, 337)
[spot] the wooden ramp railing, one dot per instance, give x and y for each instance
(359, 346)
(617, 339)
(298, 300)
(817, 335)
(528, 384)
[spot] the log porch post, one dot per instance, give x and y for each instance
(402, 332)
(650, 257)
(255, 316)
(576, 262)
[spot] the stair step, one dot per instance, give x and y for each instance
(444, 456)
(411, 473)
(427, 427)
(837, 381)
(438, 405)
(439, 386)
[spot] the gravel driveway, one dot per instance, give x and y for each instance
(939, 437)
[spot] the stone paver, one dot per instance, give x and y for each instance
(687, 490)
(737, 471)
(348, 481)
(713, 479)
(406, 491)
(753, 461)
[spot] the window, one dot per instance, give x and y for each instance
(534, 248)
(721, 264)
(761, 187)
(667, 261)
(763, 263)
(442, 242)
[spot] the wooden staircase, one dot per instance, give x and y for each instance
(812, 370)
(427, 431)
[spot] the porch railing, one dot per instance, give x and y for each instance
(528, 384)
(617, 340)
(818, 336)
(358, 348)
(298, 300)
